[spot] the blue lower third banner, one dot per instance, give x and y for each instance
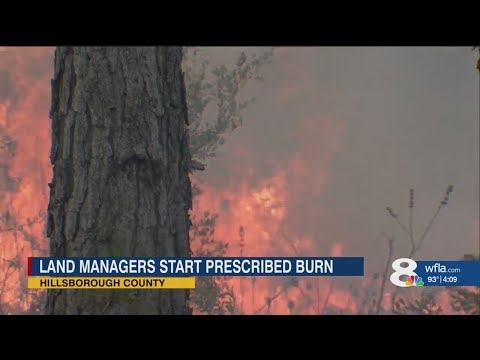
(408, 272)
(200, 266)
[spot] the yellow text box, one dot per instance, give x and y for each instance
(35, 282)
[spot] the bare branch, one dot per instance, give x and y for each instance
(427, 229)
(410, 217)
(391, 242)
(415, 245)
(402, 226)
(443, 203)
(268, 301)
(327, 298)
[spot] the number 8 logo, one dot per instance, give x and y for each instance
(399, 271)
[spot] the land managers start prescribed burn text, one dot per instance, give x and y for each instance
(186, 266)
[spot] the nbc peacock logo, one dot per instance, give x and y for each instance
(414, 280)
(405, 276)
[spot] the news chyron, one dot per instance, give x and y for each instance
(175, 273)
(180, 273)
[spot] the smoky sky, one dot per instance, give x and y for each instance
(399, 118)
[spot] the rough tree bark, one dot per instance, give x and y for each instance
(120, 169)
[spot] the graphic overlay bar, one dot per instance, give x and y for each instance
(449, 273)
(110, 283)
(411, 273)
(200, 266)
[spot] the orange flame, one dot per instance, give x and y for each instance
(271, 209)
(25, 135)
(264, 209)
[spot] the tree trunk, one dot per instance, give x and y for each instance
(120, 169)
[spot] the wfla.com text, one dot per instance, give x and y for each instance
(439, 268)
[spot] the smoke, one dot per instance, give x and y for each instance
(335, 136)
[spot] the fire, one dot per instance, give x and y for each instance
(258, 215)
(25, 168)
(261, 211)
(276, 214)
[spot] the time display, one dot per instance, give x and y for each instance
(441, 279)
